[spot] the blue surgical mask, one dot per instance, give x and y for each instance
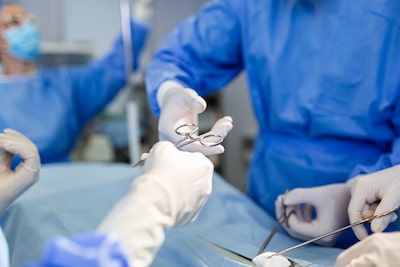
(23, 41)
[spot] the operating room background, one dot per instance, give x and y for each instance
(75, 31)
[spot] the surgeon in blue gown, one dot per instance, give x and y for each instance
(324, 81)
(52, 106)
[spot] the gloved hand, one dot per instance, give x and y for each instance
(329, 203)
(379, 249)
(367, 191)
(171, 191)
(143, 10)
(14, 183)
(183, 105)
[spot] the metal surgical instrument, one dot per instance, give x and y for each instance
(190, 131)
(281, 220)
(370, 218)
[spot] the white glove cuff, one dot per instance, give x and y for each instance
(161, 196)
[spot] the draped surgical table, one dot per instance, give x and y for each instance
(72, 198)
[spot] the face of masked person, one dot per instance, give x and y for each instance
(19, 37)
(23, 41)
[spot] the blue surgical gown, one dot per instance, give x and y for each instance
(52, 106)
(323, 76)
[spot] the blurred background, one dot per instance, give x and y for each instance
(75, 32)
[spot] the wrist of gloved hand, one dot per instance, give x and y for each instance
(140, 220)
(316, 211)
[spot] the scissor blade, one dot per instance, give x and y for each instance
(229, 253)
(139, 163)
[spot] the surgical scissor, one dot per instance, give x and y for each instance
(190, 131)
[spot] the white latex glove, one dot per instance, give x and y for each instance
(367, 191)
(329, 203)
(14, 183)
(377, 250)
(183, 105)
(143, 10)
(171, 191)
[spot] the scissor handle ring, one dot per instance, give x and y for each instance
(179, 131)
(211, 144)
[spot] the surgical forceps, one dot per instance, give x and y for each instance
(190, 131)
(283, 219)
(368, 219)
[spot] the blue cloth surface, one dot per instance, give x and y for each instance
(84, 250)
(52, 106)
(73, 198)
(323, 76)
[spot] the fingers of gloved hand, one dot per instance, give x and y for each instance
(366, 194)
(362, 261)
(165, 157)
(379, 249)
(183, 100)
(14, 144)
(367, 210)
(5, 159)
(294, 210)
(179, 106)
(300, 220)
(219, 131)
(390, 200)
(222, 126)
(316, 214)
(144, 156)
(19, 144)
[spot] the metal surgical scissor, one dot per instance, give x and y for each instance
(190, 131)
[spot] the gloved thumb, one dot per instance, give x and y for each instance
(144, 156)
(192, 101)
(388, 202)
(223, 126)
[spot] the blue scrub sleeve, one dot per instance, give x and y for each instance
(84, 250)
(386, 160)
(202, 53)
(96, 84)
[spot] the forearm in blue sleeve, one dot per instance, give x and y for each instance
(385, 161)
(201, 53)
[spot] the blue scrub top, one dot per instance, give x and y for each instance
(52, 106)
(323, 76)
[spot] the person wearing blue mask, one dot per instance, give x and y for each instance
(324, 81)
(171, 191)
(52, 106)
